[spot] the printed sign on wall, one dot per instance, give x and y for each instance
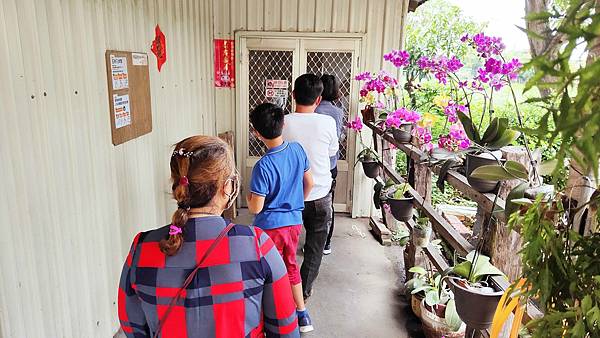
(224, 63)
(120, 77)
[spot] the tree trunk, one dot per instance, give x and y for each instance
(549, 44)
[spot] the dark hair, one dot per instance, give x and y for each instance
(307, 88)
(206, 162)
(331, 87)
(267, 120)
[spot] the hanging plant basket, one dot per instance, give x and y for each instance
(403, 134)
(368, 114)
(475, 306)
(371, 168)
(401, 208)
(475, 161)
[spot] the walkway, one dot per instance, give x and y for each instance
(357, 292)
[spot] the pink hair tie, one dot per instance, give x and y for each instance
(174, 230)
(183, 180)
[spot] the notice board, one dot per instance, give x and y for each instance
(128, 79)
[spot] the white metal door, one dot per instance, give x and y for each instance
(285, 58)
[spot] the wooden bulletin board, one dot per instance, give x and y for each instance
(128, 80)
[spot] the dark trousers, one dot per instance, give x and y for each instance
(316, 217)
(334, 173)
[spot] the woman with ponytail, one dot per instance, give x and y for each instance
(200, 276)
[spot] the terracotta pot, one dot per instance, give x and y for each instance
(401, 209)
(474, 307)
(415, 303)
(371, 168)
(368, 114)
(403, 133)
(475, 161)
(436, 327)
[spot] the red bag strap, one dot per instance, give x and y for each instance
(190, 277)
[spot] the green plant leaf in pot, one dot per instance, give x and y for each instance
(491, 132)
(504, 139)
(419, 270)
(432, 298)
(517, 169)
(451, 315)
(469, 127)
(516, 193)
(493, 172)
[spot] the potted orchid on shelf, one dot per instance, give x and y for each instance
(401, 122)
(367, 157)
(378, 92)
(466, 136)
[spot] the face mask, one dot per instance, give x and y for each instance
(235, 183)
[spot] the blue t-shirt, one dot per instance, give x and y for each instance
(279, 177)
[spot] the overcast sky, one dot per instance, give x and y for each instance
(502, 18)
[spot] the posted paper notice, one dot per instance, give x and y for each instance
(120, 77)
(122, 111)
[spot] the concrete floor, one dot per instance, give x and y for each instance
(358, 291)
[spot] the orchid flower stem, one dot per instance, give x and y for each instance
(536, 176)
(481, 242)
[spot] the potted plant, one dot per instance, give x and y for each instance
(437, 308)
(370, 162)
(476, 297)
(400, 201)
(421, 233)
(401, 122)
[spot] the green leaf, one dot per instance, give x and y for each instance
(491, 132)
(516, 193)
(516, 169)
(451, 315)
(506, 138)
(469, 128)
(492, 172)
(432, 298)
(578, 330)
(462, 269)
(522, 201)
(424, 288)
(543, 15)
(419, 270)
(586, 303)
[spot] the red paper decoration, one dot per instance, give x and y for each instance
(159, 47)
(224, 63)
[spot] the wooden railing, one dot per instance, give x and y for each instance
(419, 177)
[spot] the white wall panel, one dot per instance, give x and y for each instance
(70, 201)
(381, 20)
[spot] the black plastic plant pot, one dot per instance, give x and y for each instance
(403, 133)
(371, 168)
(476, 308)
(401, 209)
(475, 161)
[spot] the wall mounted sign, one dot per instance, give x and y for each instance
(224, 63)
(276, 91)
(118, 67)
(159, 47)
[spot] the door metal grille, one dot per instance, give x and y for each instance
(263, 65)
(340, 65)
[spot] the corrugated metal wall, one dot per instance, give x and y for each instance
(70, 201)
(382, 21)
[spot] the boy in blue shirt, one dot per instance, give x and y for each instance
(280, 182)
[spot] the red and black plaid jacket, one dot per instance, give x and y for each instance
(242, 290)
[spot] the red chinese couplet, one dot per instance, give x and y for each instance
(224, 63)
